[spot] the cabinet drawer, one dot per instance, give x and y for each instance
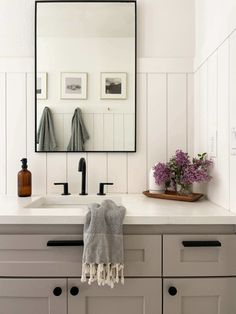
(199, 255)
(29, 255)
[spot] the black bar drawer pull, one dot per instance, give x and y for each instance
(201, 243)
(65, 243)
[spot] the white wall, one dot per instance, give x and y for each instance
(165, 28)
(215, 20)
(215, 96)
(165, 102)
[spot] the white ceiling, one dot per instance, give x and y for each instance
(85, 19)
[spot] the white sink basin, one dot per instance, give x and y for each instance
(70, 201)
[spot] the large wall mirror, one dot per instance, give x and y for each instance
(85, 74)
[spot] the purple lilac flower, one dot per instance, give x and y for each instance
(189, 175)
(182, 159)
(197, 171)
(161, 173)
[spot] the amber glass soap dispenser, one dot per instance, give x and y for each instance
(24, 180)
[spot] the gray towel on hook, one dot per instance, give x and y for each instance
(79, 133)
(46, 134)
(103, 255)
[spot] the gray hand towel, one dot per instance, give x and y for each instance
(79, 133)
(103, 256)
(46, 134)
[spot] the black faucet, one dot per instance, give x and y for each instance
(82, 168)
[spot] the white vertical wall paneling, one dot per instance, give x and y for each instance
(216, 96)
(56, 172)
(37, 162)
(16, 127)
(97, 170)
(212, 127)
(200, 113)
(203, 109)
(212, 96)
(232, 66)
(137, 162)
(157, 119)
(127, 171)
(117, 172)
(196, 112)
(200, 117)
(74, 177)
(129, 131)
(190, 113)
(108, 131)
(2, 134)
(98, 134)
(221, 187)
(119, 133)
(177, 120)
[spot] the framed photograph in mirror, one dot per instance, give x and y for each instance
(41, 87)
(73, 85)
(113, 85)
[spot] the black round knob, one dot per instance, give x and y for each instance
(74, 291)
(57, 291)
(172, 291)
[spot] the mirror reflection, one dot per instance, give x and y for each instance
(85, 76)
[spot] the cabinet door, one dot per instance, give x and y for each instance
(199, 295)
(32, 296)
(136, 296)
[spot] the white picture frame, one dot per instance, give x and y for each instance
(41, 85)
(73, 85)
(113, 85)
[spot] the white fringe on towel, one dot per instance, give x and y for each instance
(104, 274)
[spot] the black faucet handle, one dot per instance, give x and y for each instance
(101, 188)
(65, 186)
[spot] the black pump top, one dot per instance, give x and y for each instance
(24, 163)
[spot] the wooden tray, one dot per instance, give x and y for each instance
(175, 197)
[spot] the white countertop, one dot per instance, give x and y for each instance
(140, 210)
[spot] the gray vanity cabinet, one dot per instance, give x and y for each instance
(32, 296)
(179, 273)
(199, 296)
(137, 296)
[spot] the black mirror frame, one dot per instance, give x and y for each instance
(35, 75)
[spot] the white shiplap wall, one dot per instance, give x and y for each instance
(164, 123)
(215, 108)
